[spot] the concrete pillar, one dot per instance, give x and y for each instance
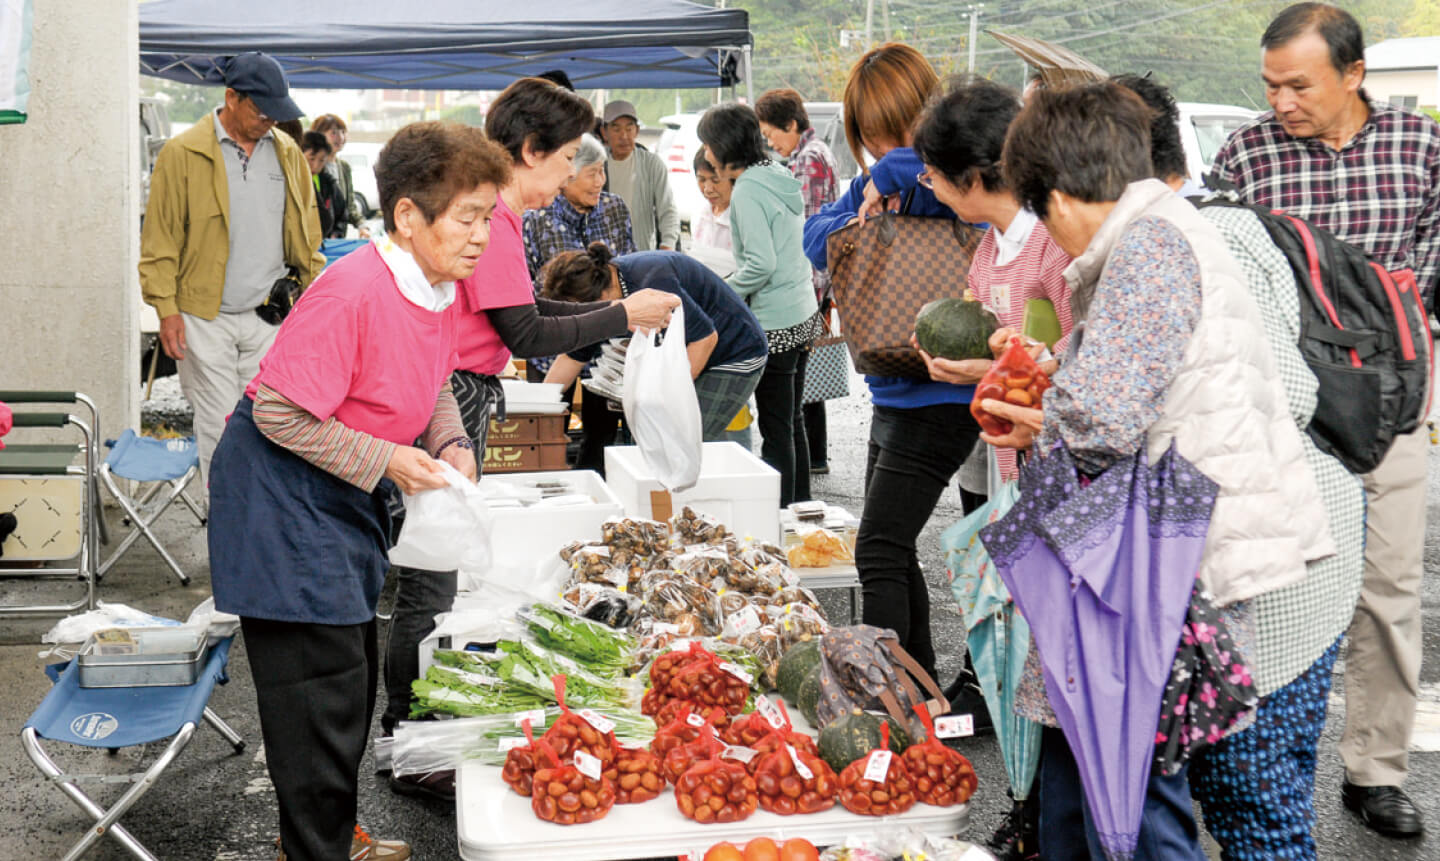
(69, 212)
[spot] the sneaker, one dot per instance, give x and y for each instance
(821, 468)
(363, 847)
(434, 785)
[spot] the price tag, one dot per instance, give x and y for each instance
(769, 711)
(663, 628)
(695, 720)
(474, 678)
(954, 726)
(744, 622)
(679, 645)
(877, 766)
(587, 765)
(736, 672)
(508, 744)
(601, 723)
(535, 716)
(739, 754)
(800, 768)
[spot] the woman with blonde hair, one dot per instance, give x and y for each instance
(920, 430)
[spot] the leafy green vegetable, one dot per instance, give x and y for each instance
(604, 650)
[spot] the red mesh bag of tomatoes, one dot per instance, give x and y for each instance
(1016, 378)
(569, 793)
(714, 714)
(791, 780)
(767, 729)
(942, 776)
(878, 783)
(685, 727)
(636, 774)
(716, 790)
(569, 733)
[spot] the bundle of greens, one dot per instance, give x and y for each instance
(602, 649)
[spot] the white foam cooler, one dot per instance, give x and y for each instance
(525, 537)
(735, 487)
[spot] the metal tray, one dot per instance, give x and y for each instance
(165, 657)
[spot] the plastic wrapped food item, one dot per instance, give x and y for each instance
(818, 548)
(1015, 378)
(592, 564)
(799, 595)
(704, 565)
(568, 551)
(765, 580)
(685, 603)
(636, 534)
(765, 644)
(942, 776)
(603, 603)
(699, 676)
(692, 527)
(733, 602)
(798, 622)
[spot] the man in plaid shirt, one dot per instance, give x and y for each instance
(1370, 174)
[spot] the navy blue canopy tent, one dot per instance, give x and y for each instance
(452, 44)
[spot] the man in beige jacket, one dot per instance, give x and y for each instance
(231, 211)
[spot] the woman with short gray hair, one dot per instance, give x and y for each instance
(583, 212)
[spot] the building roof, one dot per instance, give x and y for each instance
(1422, 52)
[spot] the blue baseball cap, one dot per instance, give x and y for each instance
(260, 78)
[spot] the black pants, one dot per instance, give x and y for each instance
(601, 428)
(913, 454)
(315, 688)
(815, 433)
(422, 595)
(782, 423)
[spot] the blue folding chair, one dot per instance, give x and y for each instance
(162, 464)
(113, 718)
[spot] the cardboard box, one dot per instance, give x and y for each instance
(735, 486)
(526, 457)
(527, 428)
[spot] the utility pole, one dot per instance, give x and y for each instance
(885, 11)
(869, 23)
(974, 33)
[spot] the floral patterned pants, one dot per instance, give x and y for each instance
(1257, 787)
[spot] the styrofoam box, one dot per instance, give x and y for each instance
(735, 487)
(523, 537)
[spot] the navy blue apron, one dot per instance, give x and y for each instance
(289, 541)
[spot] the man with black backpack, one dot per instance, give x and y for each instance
(1370, 174)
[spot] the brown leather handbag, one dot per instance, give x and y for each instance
(883, 272)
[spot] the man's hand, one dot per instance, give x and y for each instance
(1027, 422)
(463, 459)
(649, 309)
(960, 372)
(413, 470)
(172, 336)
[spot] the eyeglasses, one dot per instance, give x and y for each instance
(925, 179)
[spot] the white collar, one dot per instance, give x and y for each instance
(1011, 242)
(413, 284)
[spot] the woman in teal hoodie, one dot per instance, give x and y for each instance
(773, 277)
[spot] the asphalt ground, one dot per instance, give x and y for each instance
(213, 804)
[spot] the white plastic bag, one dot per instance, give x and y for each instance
(77, 628)
(445, 529)
(660, 405)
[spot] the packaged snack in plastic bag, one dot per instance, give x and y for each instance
(1016, 378)
(798, 595)
(637, 534)
(765, 645)
(685, 603)
(692, 527)
(603, 603)
(797, 622)
(818, 548)
(704, 565)
(764, 580)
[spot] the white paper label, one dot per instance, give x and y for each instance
(975, 853)
(769, 711)
(663, 628)
(601, 723)
(474, 678)
(736, 672)
(695, 720)
(535, 716)
(587, 765)
(508, 744)
(739, 754)
(679, 645)
(954, 726)
(800, 768)
(745, 621)
(877, 766)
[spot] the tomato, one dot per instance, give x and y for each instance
(796, 849)
(762, 849)
(724, 852)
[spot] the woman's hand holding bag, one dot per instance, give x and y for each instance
(446, 528)
(661, 408)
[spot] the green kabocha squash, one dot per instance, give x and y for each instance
(849, 737)
(807, 696)
(795, 665)
(955, 329)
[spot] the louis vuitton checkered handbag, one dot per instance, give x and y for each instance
(883, 272)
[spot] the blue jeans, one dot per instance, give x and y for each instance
(1167, 828)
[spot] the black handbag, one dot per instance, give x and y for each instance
(283, 295)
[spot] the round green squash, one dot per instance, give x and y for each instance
(955, 329)
(795, 665)
(807, 696)
(849, 737)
